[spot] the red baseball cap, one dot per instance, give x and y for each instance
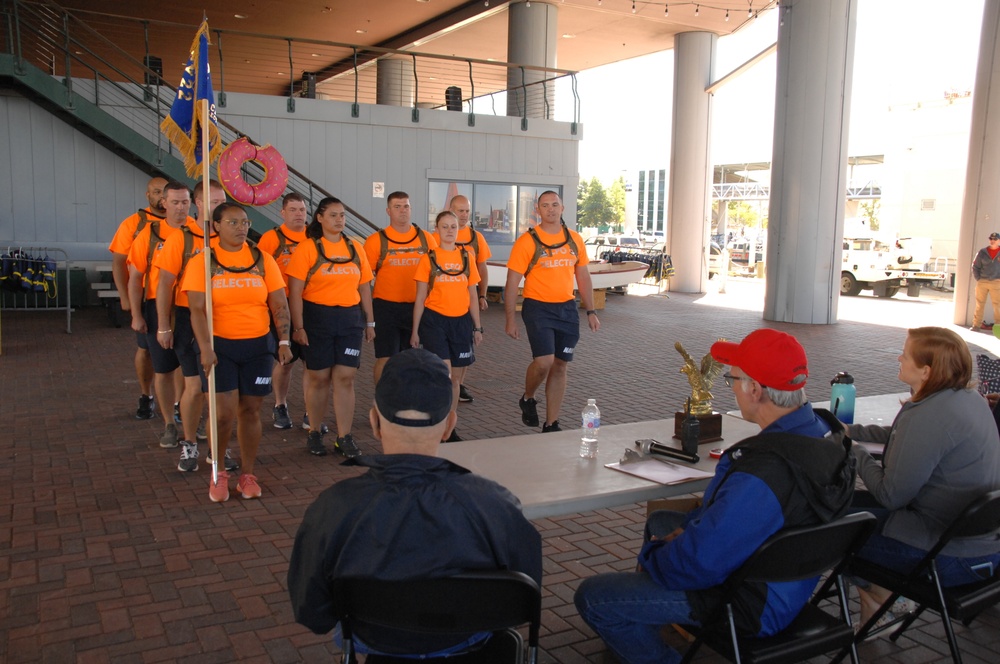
(770, 357)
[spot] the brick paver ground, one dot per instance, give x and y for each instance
(109, 554)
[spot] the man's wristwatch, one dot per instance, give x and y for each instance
(478, 329)
(591, 312)
(370, 324)
(284, 342)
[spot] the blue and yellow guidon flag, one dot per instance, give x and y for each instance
(183, 126)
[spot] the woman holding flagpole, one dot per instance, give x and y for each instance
(245, 285)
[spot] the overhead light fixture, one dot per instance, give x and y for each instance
(360, 31)
(727, 16)
(315, 55)
(568, 36)
(240, 16)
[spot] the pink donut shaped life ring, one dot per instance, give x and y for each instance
(275, 172)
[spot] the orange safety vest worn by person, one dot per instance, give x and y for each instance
(177, 255)
(143, 254)
(448, 294)
(239, 299)
(130, 228)
(334, 284)
(281, 243)
(394, 271)
(551, 278)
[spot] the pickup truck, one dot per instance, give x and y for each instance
(886, 266)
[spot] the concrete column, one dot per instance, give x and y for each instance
(531, 40)
(981, 207)
(395, 81)
(689, 200)
(809, 163)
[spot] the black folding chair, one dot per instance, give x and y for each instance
(923, 585)
(451, 608)
(793, 554)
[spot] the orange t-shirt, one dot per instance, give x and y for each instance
(333, 284)
(464, 239)
(551, 278)
(138, 255)
(450, 293)
(171, 258)
(122, 241)
(239, 299)
(270, 241)
(394, 280)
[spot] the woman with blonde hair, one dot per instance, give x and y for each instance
(941, 452)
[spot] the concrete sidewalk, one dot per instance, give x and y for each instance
(109, 554)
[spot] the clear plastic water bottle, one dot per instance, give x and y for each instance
(591, 428)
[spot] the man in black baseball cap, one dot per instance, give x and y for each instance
(986, 270)
(412, 515)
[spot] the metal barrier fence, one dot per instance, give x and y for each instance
(29, 280)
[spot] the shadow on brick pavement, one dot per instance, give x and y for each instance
(109, 554)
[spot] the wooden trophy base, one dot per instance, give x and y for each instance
(710, 427)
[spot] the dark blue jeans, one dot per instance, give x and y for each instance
(628, 609)
(892, 553)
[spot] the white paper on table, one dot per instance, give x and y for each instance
(663, 472)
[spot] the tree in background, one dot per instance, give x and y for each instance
(616, 200)
(869, 212)
(593, 208)
(742, 214)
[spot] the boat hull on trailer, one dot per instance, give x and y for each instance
(603, 275)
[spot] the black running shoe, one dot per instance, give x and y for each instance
(454, 437)
(280, 416)
(315, 444)
(346, 446)
(464, 396)
(145, 409)
(529, 412)
(546, 428)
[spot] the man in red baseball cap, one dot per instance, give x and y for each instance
(798, 471)
(769, 372)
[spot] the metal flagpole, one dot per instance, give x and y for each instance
(213, 425)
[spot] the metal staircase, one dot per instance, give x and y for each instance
(65, 66)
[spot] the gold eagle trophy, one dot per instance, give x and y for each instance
(699, 405)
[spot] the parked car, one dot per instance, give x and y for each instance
(652, 237)
(600, 243)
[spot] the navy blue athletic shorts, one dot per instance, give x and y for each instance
(448, 337)
(185, 346)
(553, 327)
(393, 326)
(164, 359)
(335, 335)
(141, 340)
(244, 365)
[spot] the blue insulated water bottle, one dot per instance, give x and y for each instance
(842, 397)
